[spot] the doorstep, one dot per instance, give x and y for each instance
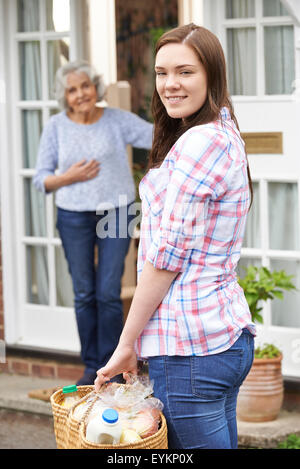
(14, 391)
(267, 435)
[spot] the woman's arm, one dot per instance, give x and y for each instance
(136, 131)
(78, 172)
(152, 287)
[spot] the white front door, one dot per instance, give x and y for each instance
(260, 40)
(38, 299)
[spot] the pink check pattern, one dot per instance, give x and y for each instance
(194, 210)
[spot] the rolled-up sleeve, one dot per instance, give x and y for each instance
(47, 158)
(199, 174)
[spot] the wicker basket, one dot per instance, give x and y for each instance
(63, 428)
(73, 440)
(70, 432)
(157, 441)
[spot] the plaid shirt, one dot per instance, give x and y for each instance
(194, 214)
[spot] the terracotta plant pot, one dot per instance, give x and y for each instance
(261, 395)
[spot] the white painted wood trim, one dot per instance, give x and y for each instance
(7, 238)
(190, 11)
(102, 32)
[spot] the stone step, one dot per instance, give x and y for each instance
(268, 434)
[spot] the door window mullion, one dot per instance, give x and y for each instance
(260, 77)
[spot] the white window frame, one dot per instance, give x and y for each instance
(286, 338)
(258, 22)
(20, 316)
(264, 252)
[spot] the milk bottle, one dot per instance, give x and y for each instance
(105, 428)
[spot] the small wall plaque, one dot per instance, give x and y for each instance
(263, 142)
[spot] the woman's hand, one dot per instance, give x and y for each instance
(82, 171)
(78, 172)
(123, 360)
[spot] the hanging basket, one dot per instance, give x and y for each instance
(70, 432)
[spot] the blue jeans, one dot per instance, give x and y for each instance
(199, 394)
(96, 285)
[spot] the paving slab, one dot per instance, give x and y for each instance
(24, 430)
(14, 391)
(268, 434)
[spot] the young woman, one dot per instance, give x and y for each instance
(189, 317)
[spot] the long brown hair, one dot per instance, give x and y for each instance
(210, 53)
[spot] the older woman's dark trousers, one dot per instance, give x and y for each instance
(97, 285)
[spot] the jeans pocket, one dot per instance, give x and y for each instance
(213, 376)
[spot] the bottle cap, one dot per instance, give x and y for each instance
(71, 388)
(110, 415)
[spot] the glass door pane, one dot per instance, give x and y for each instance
(35, 210)
(28, 15)
(279, 59)
(241, 47)
(252, 237)
(64, 288)
(31, 129)
(274, 8)
(30, 70)
(286, 312)
(240, 9)
(37, 275)
(283, 216)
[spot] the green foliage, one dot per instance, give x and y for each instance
(155, 34)
(291, 442)
(138, 174)
(267, 351)
(259, 284)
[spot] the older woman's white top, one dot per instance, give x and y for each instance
(64, 142)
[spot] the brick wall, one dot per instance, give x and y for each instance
(29, 365)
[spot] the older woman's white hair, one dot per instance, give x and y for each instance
(78, 66)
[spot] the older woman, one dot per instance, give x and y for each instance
(82, 156)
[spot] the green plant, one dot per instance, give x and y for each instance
(291, 442)
(260, 284)
(138, 174)
(267, 351)
(155, 34)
